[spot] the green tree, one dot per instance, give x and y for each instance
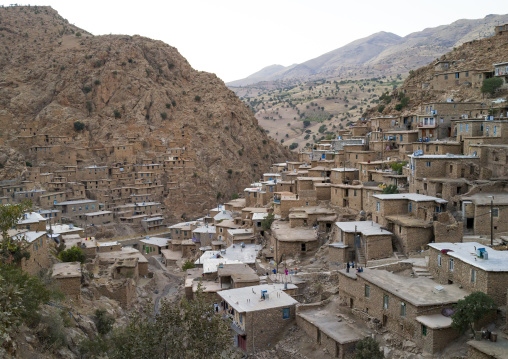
(103, 321)
(368, 348)
(390, 189)
(490, 86)
(188, 265)
(306, 123)
(293, 146)
(188, 330)
(79, 126)
(397, 167)
(234, 196)
(471, 309)
(73, 254)
(12, 249)
(266, 223)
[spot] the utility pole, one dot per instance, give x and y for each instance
(491, 220)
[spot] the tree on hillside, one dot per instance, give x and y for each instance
(266, 223)
(73, 254)
(490, 86)
(187, 330)
(12, 249)
(368, 348)
(390, 189)
(306, 123)
(471, 309)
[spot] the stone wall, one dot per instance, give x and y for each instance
(123, 291)
(71, 287)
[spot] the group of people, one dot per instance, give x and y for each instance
(352, 265)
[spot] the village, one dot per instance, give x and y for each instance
(376, 233)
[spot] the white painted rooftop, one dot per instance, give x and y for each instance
(108, 244)
(63, 228)
(205, 229)
(98, 213)
(368, 228)
(448, 155)
(411, 197)
(234, 254)
(31, 217)
(223, 215)
(248, 299)
(156, 241)
(29, 236)
(345, 169)
(82, 201)
(466, 252)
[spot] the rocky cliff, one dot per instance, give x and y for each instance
(124, 90)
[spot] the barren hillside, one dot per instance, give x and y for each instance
(125, 90)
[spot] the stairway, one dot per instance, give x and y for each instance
(422, 272)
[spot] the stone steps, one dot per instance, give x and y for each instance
(422, 272)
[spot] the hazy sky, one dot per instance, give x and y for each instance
(234, 38)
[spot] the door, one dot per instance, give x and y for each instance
(318, 336)
(385, 320)
(242, 342)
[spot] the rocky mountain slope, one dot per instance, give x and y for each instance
(124, 89)
(381, 54)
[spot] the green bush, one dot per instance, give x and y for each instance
(381, 108)
(197, 98)
(79, 126)
(471, 309)
(73, 254)
(164, 116)
(368, 348)
(28, 164)
(293, 146)
(490, 86)
(103, 321)
(117, 114)
(390, 189)
(188, 265)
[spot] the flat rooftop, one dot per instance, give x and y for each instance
(156, 241)
(417, 291)
(327, 322)
(497, 350)
(409, 221)
(410, 196)
(124, 253)
(435, 321)
(483, 199)
(466, 252)
(248, 299)
(367, 228)
(284, 233)
(233, 255)
(67, 270)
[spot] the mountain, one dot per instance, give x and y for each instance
(382, 53)
(128, 92)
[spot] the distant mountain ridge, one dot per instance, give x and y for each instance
(381, 53)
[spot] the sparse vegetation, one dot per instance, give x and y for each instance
(117, 114)
(79, 126)
(490, 86)
(73, 254)
(368, 348)
(188, 265)
(471, 309)
(266, 223)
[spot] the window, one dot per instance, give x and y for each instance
(241, 318)
(428, 164)
(457, 75)
(439, 260)
(450, 265)
(367, 291)
(473, 276)
(354, 193)
(446, 77)
(304, 247)
(424, 330)
(467, 73)
(410, 207)
(285, 313)
(467, 127)
(460, 127)
(385, 301)
(377, 206)
(495, 212)
(402, 309)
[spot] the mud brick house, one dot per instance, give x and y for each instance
(409, 217)
(35, 243)
(123, 254)
(338, 337)
(259, 315)
(32, 195)
(204, 235)
(255, 197)
(492, 157)
(68, 278)
(476, 211)
(32, 221)
(444, 176)
(360, 241)
(211, 260)
(290, 242)
(471, 265)
(233, 276)
(501, 71)
(73, 209)
(239, 235)
(383, 123)
(49, 200)
(152, 246)
(408, 307)
(343, 175)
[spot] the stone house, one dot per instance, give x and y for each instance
(36, 244)
(501, 71)
(204, 235)
(383, 123)
(97, 218)
(290, 242)
(451, 80)
(408, 307)
(222, 228)
(371, 242)
(52, 215)
(239, 235)
(343, 175)
(152, 246)
(471, 265)
(32, 195)
(494, 158)
(72, 209)
(239, 275)
(49, 200)
(32, 221)
(255, 197)
(68, 278)
(476, 212)
(259, 314)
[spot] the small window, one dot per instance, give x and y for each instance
(446, 77)
(241, 318)
(410, 207)
(304, 247)
(473, 275)
(450, 265)
(457, 75)
(424, 330)
(377, 206)
(402, 309)
(285, 313)
(495, 212)
(386, 299)
(439, 260)
(367, 291)
(428, 164)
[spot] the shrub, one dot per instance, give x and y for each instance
(78, 34)
(188, 265)
(168, 105)
(164, 116)
(368, 348)
(103, 321)
(87, 89)
(197, 98)
(97, 82)
(293, 146)
(234, 196)
(306, 123)
(266, 223)
(117, 114)
(471, 309)
(28, 164)
(73, 254)
(381, 108)
(490, 86)
(79, 126)
(390, 189)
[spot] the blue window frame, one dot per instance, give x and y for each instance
(285, 313)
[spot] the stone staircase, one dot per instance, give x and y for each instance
(420, 268)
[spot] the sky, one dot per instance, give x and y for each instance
(235, 38)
